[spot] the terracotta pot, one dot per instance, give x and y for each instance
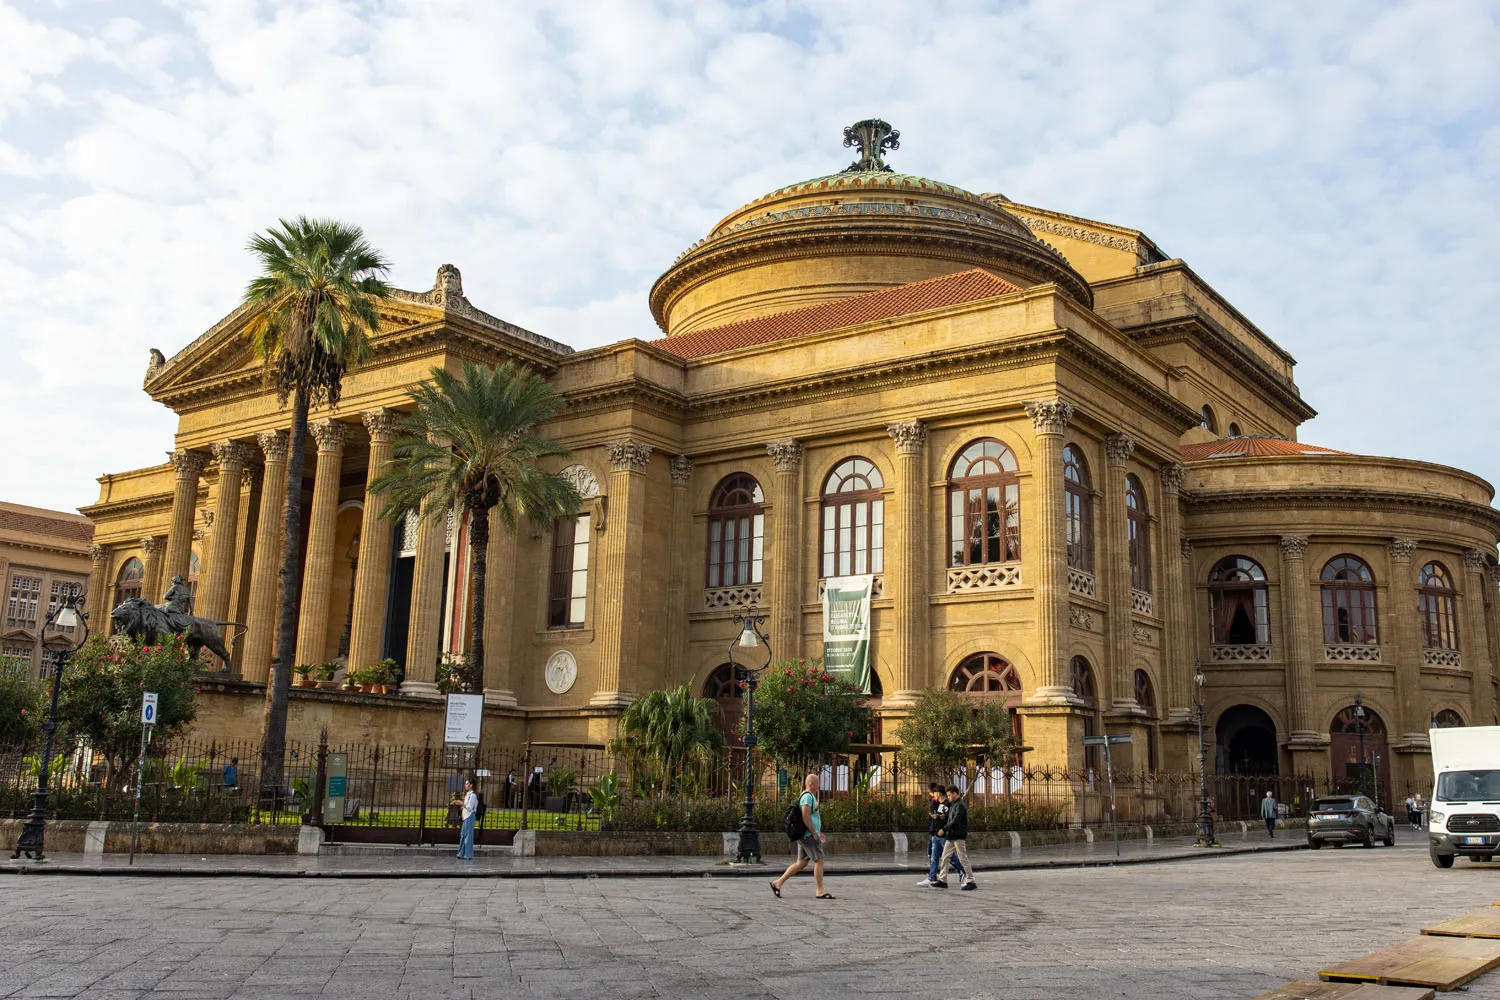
(367, 688)
(382, 689)
(328, 685)
(306, 682)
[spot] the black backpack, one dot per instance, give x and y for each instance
(792, 822)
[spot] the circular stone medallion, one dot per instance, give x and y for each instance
(561, 672)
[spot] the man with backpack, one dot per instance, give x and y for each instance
(956, 830)
(805, 828)
(937, 814)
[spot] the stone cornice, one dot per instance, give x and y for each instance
(1344, 498)
(134, 505)
(1203, 331)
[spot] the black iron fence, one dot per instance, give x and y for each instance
(405, 793)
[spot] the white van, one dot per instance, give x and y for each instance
(1465, 814)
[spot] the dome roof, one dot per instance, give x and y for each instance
(848, 234)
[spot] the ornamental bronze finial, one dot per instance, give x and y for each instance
(873, 137)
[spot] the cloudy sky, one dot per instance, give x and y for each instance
(1331, 167)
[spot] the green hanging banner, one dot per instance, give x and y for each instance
(846, 629)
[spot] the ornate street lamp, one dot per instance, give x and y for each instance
(69, 614)
(1360, 726)
(751, 635)
(1206, 836)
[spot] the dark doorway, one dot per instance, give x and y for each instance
(398, 612)
(1245, 741)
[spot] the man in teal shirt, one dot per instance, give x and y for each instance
(810, 847)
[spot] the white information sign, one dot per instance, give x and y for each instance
(148, 708)
(465, 712)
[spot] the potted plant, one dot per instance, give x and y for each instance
(351, 680)
(385, 680)
(304, 675)
(559, 788)
(325, 672)
(366, 679)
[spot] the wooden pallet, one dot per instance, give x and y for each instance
(1443, 963)
(1312, 989)
(1479, 924)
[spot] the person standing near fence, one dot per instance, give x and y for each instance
(232, 773)
(469, 810)
(956, 849)
(810, 846)
(1268, 812)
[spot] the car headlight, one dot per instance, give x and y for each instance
(1435, 818)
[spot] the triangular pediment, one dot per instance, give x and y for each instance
(224, 353)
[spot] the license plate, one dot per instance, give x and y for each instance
(1475, 840)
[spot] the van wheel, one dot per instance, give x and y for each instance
(1314, 844)
(1442, 860)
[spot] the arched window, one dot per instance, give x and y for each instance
(1079, 499)
(1138, 527)
(1435, 606)
(853, 520)
(1237, 592)
(1145, 696)
(1447, 719)
(724, 688)
(984, 506)
(1206, 419)
(128, 583)
(1234, 429)
(736, 532)
(1349, 602)
(1081, 679)
(989, 677)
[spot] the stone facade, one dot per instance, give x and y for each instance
(43, 554)
(921, 330)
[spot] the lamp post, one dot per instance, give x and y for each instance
(1206, 836)
(751, 635)
(1360, 725)
(68, 615)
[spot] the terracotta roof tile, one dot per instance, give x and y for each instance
(52, 527)
(902, 300)
(1251, 447)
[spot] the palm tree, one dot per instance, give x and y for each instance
(671, 728)
(315, 303)
(472, 442)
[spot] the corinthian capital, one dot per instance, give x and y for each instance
(330, 434)
(1172, 476)
(1049, 416)
(1401, 548)
(682, 470)
(232, 454)
(99, 554)
(1117, 448)
(381, 424)
(628, 456)
(910, 436)
(273, 444)
(785, 455)
(189, 464)
(1474, 560)
(1293, 546)
(153, 545)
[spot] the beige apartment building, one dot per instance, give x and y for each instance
(1070, 465)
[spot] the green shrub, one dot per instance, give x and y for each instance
(802, 712)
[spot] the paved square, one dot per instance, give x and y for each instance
(1212, 928)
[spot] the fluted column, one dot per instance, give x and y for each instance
(1117, 450)
(372, 573)
(499, 613)
(1049, 418)
(1298, 642)
(1491, 598)
(1176, 662)
(189, 466)
(1411, 710)
(317, 577)
(265, 568)
(152, 546)
(98, 592)
(213, 599)
(909, 597)
(617, 617)
(1472, 642)
(244, 561)
(786, 550)
(682, 477)
(424, 633)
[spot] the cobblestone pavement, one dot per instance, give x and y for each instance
(1219, 927)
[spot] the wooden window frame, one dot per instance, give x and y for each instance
(1222, 589)
(852, 521)
(1437, 607)
(970, 511)
(1355, 598)
(1138, 533)
(1078, 500)
(736, 533)
(567, 590)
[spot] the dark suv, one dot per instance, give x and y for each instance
(1349, 819)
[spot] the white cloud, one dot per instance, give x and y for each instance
(1330, 168)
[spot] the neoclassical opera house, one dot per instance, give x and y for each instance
(1070, 465)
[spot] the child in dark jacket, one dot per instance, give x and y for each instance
(956, 832)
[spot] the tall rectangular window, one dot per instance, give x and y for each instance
(568, 593)
(60, 591)
(25, 599)
(16, 659)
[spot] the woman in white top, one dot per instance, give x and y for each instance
(470, 805)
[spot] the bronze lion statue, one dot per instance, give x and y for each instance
(143, 621)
